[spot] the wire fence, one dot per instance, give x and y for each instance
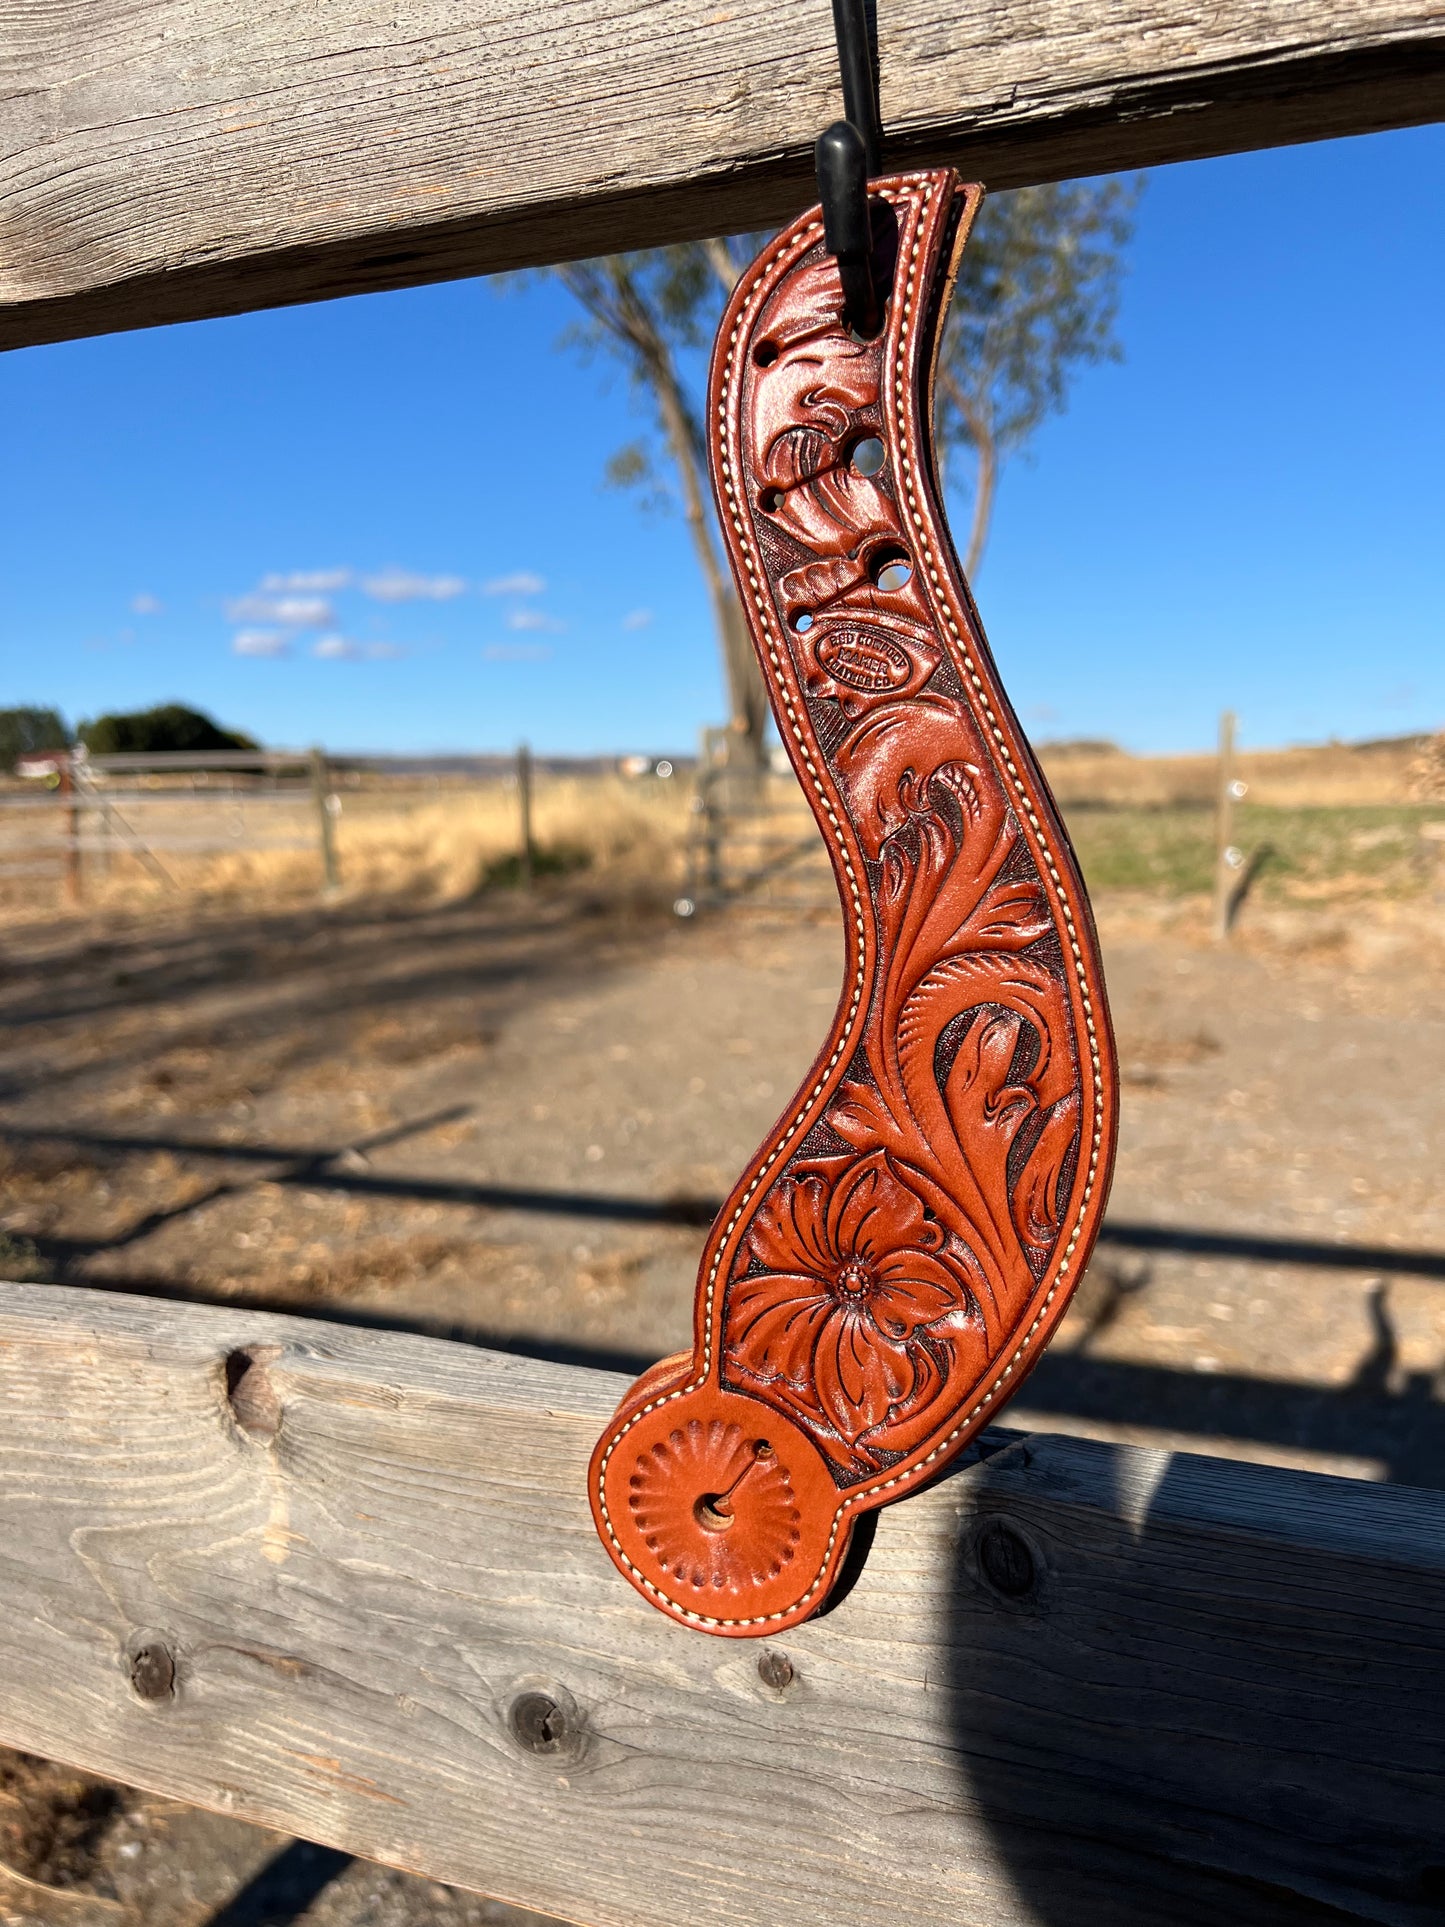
(82, 822)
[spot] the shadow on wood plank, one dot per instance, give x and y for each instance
(1167, 1722)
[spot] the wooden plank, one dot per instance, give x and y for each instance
(162, 160)
(1074, 1683)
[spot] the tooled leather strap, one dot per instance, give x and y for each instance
(899, 1250)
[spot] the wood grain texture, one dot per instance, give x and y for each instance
(1073, 1683)
(162, 160)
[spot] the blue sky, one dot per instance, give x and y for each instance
(379, 523)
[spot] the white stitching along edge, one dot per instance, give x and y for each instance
(798, 246)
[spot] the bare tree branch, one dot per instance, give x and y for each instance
(1036, 297)
(720, 260)
(985, 448)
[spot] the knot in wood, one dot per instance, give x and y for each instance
(775, 1670)
(254, 1401)
(1006, 1560)
(153, 1672)
(539, 1724)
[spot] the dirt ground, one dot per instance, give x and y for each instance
(508, 1119)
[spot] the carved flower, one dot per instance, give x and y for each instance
(855, 1271)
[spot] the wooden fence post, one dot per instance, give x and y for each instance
(526, 852)
(72, 833)
(325, 821)
(1228, 857)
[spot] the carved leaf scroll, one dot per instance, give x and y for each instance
(903, 1243)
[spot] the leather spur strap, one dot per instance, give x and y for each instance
(899, 1250)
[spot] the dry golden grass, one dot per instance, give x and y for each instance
(1332, 815)
(436, 843)
(1427, 770)
(1325, 775)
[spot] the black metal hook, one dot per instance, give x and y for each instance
(847, 153)
(858, 64)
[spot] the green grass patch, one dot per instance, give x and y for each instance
(1170, 851)
(555, 860)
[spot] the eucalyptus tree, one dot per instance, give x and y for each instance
(1037, 297)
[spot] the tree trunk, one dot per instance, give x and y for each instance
(982, 503)
(610, 294)
(986, 449)
(720, 260)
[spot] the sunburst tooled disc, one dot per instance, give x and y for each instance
(742, 1527)
(896, 1255)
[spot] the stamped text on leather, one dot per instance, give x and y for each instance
(893, 1260)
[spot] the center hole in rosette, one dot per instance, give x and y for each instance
(714, 1510)
(710, 1514)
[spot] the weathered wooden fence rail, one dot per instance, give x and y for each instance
(345, 1583)
(166, 159)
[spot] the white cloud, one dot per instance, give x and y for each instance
(292, 611)
(306, 582)
(398, 585)
(534, 619)
(523, 582)
(637, 619)
(336, 648)
(518, 652)
(145, 604)
(260, 642)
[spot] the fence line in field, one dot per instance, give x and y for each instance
(96, 817)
